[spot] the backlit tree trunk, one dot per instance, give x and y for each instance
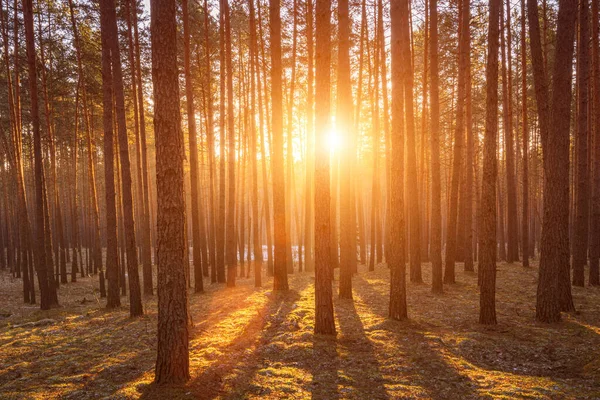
(231, 241)
(44, 278)
(457, 161)
(324, 319)
(172, 361)
(194, 174)
(436, 184)
(345, 128)
(112, 262)
(487, 232)
(396, 262)
(135, 298)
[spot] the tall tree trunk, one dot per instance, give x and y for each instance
(411, 161)
(512, 220)
(324, 319)
(400, 65)
(61, 262)
(135, 299)
(280, 281)
(257, 250)
(172, 361)
(468, 193)
(44, 278)
(594, 274)
(451, 226)
(230, 247)
(582, 203)
(375, 198)
(210, 141)
(424, 183)
(290, 145)
(554, 286)
(147, 226)
(487, 234)
(359, 195)
(308, 193)
(222, 177)
(436, 184)
(194, 174)
(344, 126)
(112, 262)
(525, 138)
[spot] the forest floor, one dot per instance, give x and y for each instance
(253, 343)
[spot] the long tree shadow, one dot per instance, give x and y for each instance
(233, 370)
(413, 356)
(361, 366)
(324, 366)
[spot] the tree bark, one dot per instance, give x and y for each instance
(451, 228)
(280, 281)
(554, 286)
(487, 234)
(135, 298)
(582, 203)
(345, 128)
(230, 247)
(396, 262)
(172, 361)
(594, 274)
(193, 141)
(44, 279)
(436, 184)
(525, 133)
(324, 318)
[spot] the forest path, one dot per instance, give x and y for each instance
(253, 343)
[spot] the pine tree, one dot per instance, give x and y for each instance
(280, 281)
(400, 59)
(324, 319)
(436, 195)
(172, 361)
(487, 236)
(582, 206)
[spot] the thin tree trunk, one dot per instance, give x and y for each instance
(308, 213)
(512, 220)
(582, 203)
(400, 54)
(135, 299)
(257, 250)
(40, 253)
(344, 127)
(451, 228)
(230, 247)
(594, 274)
(436, 184)
(280, 282)
(194, 174)
(487, 236)
(525, 138)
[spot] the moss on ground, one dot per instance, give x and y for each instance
(255, 343)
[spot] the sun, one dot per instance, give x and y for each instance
(334, 140)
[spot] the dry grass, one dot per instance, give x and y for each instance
(253, 343)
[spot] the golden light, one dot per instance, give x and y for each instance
(334, 140)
